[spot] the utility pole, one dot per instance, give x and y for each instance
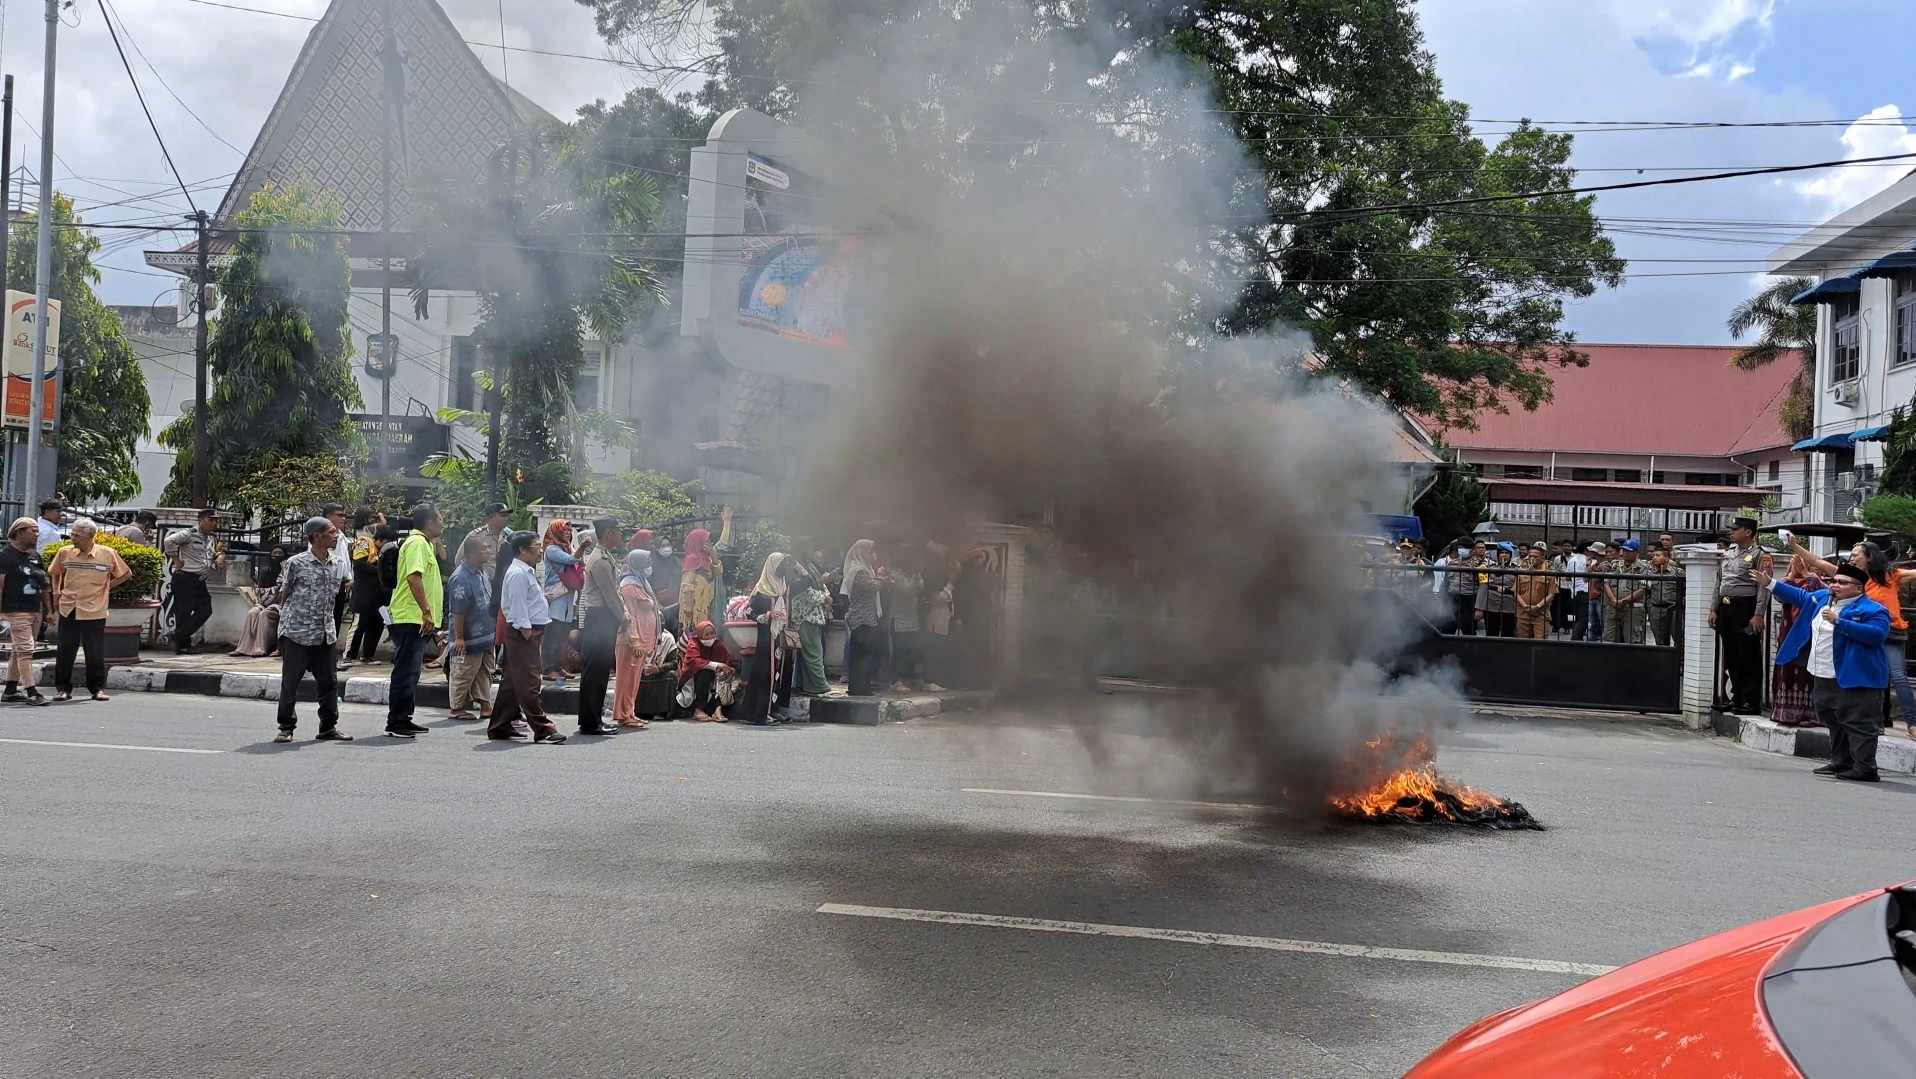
(201, 464)
(389, 55)
(43, 265)
(6, 247)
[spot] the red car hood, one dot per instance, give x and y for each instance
(1693, 1010)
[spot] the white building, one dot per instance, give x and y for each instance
(1865, 338)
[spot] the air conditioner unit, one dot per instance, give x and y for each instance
(1845, 393)
(1846, 481)
(1866, 473)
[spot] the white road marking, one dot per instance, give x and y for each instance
(105, 745)
(1229, 940)
(1117, 798)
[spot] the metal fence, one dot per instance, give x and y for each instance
(1572, 616)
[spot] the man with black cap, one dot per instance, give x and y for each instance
(494, 525)
(603, 614)
(1840, 635)
(1737, 615)
(192, 556)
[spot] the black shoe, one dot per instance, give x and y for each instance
(513, 737)
(400, 732)
(598, 730)
(184, 649)
(1860, 775)
(283, 736)
(33, 697)
(331, 735)
(553, 739)
(414, 728)
(1826, 770)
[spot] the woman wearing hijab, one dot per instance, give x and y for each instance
(1497, 597)
(1790, 680)
(638, 639)
(768, 677)
(704, 659)
(702, 574)
(558, 558)
(860, 584)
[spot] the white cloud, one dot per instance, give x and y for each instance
(1877, 133)
(1695, 23)
(1738, 70)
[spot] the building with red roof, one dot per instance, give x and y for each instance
(1644, 439)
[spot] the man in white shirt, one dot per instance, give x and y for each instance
(522, 603)
(1845, 654)
(1576, 566)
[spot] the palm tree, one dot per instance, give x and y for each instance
(1782, 327)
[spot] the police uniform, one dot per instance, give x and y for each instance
(1737, 596)
(1666, 605)
(1623, 623)
(1460, 584)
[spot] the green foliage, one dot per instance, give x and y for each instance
(106, 409)
(1781, 328)
(280, 351)
(1453, 506)
(644, 498)
(460, 490)
(750, 546)
(147, 563)
(1899, 454)
(284, 487)
(1892, 513)
(1336, 103)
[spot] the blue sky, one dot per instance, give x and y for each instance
(1735, 60)
(1720, 60)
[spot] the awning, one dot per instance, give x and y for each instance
(1830, 291)
(1890, 265)
(1879, 433)
(1826, 442)
(1399, 526)
(1674, 496)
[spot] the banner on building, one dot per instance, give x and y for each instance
(18, 358)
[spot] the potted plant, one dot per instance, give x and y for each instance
(130, 606)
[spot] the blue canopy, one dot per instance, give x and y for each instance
(1890, 265)
(1827, 442)
(1830, 291)
(1871, 434)
(1399, 526)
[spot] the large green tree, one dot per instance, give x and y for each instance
(279, 353)
(1445, 310)
(104, 414)
(1782, 329)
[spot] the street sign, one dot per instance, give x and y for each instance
(17, 357)
(382, 353)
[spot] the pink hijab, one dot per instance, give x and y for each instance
(698, 551)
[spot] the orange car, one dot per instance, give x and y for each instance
(1823, 993)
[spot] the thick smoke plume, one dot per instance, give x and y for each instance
(1038, 331)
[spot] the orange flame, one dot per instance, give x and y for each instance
(1416, 794)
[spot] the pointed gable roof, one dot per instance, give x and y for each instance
(325, 128)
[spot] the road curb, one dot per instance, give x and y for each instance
(1894, 754)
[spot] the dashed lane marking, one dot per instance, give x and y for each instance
(107, 745)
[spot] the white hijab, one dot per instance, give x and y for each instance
(858, 559)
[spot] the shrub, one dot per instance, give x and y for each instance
(147, 563)
(1892, 513)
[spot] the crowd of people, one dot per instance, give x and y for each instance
(1617, 592)
(646, 631)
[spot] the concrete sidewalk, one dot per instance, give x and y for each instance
(1895, 750)
(257, 678)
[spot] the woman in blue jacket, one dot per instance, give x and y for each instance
(1841, 634)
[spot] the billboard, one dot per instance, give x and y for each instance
(796, 283)
(18, 358)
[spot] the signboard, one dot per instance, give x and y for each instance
(794, 284)
(381, 350)
(18, 359)
(403, 443)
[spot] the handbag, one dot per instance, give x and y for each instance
(573, 577)
(788, 638)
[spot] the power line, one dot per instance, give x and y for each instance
(164, 152)
(169, 89)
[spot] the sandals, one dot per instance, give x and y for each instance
(63, 696)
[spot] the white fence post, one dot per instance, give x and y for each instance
(1702, 568)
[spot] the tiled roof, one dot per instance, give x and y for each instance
(1679, 400)
(325, 127)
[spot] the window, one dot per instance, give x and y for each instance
(465, 363)
(585, 391)
(1905, 300)
(1776, 471)
(1590, 475)
(1523, 472)
(1657, 476)
(1712, 479)
(1846, 353)
(1629, 475)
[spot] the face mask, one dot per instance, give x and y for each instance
(665, 551)
(648, 571)
(709, 643)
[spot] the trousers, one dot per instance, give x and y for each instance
(409, 654)
(22, 627)
(1742, 651)
(192, 606)
(470, 680)
(598, 647)
(1624, 624)
(863, 653)
(1463, 610)
(1855, 720)
(74, 634)
(519, 689)
(1666, 624)
(1533, 625)
(295, 660)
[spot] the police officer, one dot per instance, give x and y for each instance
(1666, 599)
(1623, 601)
(1460, 584)
(1737, 615)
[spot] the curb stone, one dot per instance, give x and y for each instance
(1895, 754)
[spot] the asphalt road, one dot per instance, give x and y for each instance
(649, 905)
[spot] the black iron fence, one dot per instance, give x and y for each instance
(1614, 606)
